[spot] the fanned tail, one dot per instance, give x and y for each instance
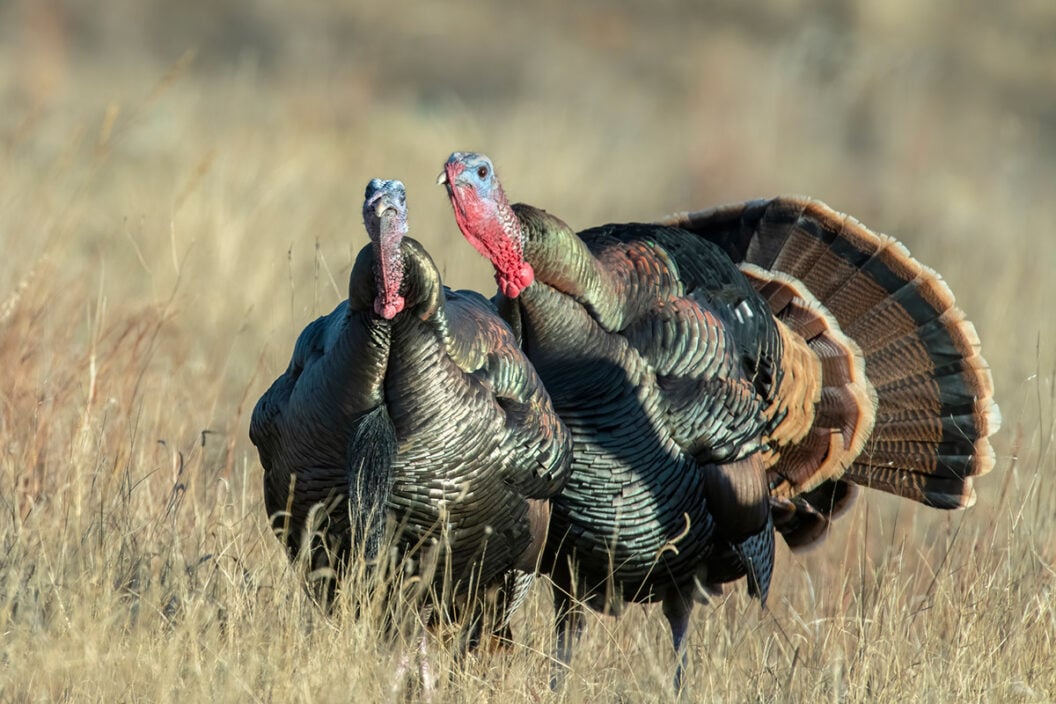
(826, 407)
(930, 389)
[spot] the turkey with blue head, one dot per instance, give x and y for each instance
(726, 375)
(412, 407)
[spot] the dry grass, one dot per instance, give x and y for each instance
(168, 224)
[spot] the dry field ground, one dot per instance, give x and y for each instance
(180, 189)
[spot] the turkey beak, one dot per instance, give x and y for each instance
(449, 176)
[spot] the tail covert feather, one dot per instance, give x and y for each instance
(934, 407)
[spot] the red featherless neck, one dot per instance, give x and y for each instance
(490, 225)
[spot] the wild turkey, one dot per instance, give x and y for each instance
(724, 373)
(413, 402)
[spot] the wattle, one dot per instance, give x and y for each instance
(511, 284)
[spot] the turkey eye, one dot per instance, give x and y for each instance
(482, 172)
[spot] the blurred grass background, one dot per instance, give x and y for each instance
(180, 189)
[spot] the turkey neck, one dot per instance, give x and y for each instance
(563, 262)
(421, 289)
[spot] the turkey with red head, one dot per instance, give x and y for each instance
(413, 403)
(726, 374)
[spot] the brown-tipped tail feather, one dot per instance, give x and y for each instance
(932, 389)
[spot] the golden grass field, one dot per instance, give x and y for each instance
(180, 190)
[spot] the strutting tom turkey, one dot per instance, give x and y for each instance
(413, 403)
(726, 374)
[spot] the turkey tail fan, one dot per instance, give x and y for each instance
(934, 393)
(825, 367)
(823, 371)
(372, 451)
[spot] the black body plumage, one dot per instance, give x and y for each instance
(433, 419)
(661, 363)
(727, 374)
